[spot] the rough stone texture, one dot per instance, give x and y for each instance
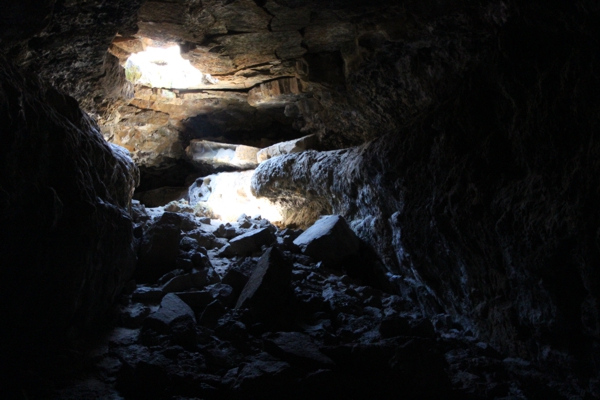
(297, 347)
(484, 198)
(68, 46)
(171, 309)
(160, 248)
(269, 282)
(309, 142)
(220, 155)
(66, 239)
(329, 239)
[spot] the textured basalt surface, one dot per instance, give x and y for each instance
(463, 140)
(67, 237)
(485, 196)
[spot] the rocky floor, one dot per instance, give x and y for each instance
(248, 311)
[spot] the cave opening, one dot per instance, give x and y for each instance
(239, 199)
(163, 67)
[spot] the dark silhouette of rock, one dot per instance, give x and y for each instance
(66, 241)
(171, 309)
(268, 286)
(329, 239)
(248, 242)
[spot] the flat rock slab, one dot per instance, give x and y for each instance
(171, 309)
(330, 239)
(196, 279)
(296, 348)
(292, 146)
(147, 295)
(249, 242)
(204, 152)
(269, 281)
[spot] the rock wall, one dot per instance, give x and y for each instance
(483, 194)
(65, 43)
(66, 243)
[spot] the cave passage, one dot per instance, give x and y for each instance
(300, 199)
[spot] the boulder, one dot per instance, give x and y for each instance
(159, 248)
(66, 241)
(237, 275)
(171, 309)
(211, 314)
(296, 348)
(147, 295)
(219, 155)
(196, 279)
(225, 195)
(309, 142)
(249, 242)
(269, 284)
(330, 240)
(197, 299)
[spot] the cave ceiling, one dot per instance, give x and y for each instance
(272, 66)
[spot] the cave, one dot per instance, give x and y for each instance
(241, 199)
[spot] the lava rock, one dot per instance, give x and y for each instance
(159, 248)
(238, 274)
(291, 146)
(171, 309)
(133, 315)
(330, 239)
(223, 293)
(296, 348)
(269, 284)
(248, 242)
(196, 279)
(263, 376)
(147, 295)
(211, 314)
(197, 299)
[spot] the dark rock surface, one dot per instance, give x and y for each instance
(329, 239)
(66, 42)
(66, 243)
(482, 200)
(469, 165)
(268, 285)
(299, 330)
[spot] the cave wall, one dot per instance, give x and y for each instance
(477, 186)
(66, 242)
(481, 193)
(65, 42)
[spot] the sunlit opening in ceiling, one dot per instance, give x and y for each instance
(164, 68)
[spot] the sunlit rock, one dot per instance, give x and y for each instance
(248, 242)
(329, 239)
(227, 195)
(292, 146)
(269, 283)
(276, 93)
(217, 155)
(171, 309)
